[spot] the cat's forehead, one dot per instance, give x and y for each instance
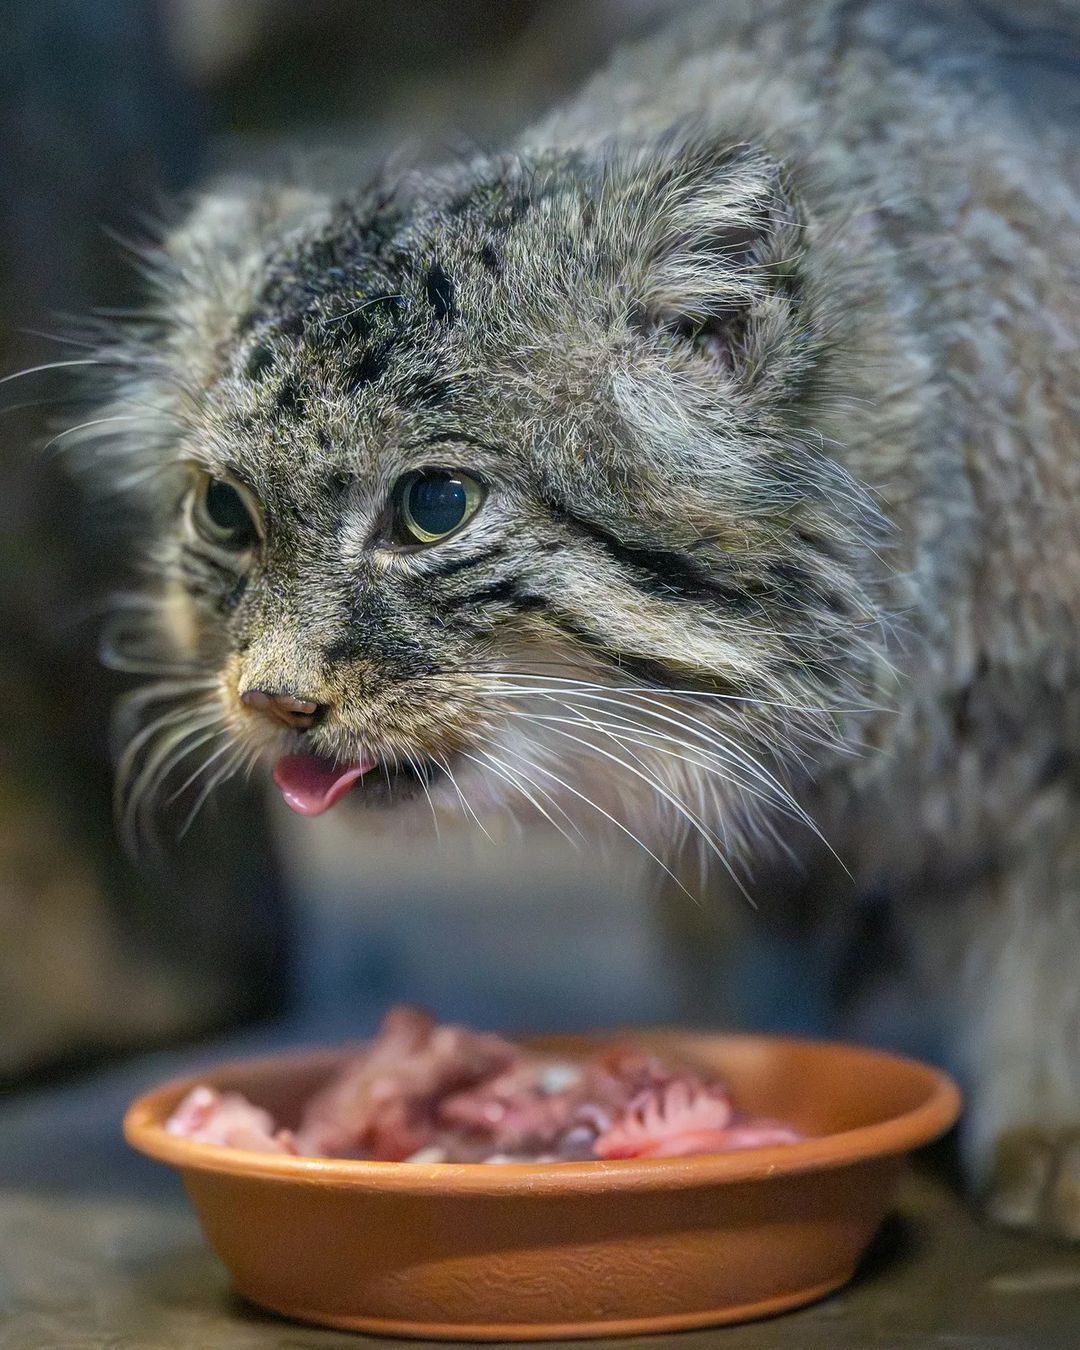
(353, 353)
(391, 334)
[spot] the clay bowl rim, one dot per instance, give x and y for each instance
(144, 1130)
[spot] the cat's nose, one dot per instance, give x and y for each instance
(297, 713)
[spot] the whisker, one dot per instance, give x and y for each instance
(137, 800)
(614, 820)
(53, 365)
(611, 728)
(83, 426)
(422, 779)
(185, 720)
(774, 791)
(504, 772)
(467, 809)
(566, 691)
(713, 696)
(197, 773)
(131, 707)
(547, 796)
(172, 717)
(703, 830)
(718, 745)
(223, 774)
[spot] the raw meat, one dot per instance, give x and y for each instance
(420, 1092)
(207, 1116)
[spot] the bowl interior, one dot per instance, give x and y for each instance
(822, 1089)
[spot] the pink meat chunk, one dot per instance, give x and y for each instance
(420, 1092)
(383, 1104)
(207, 1116)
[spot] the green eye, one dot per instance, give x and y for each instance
(433, 503)
(224, 516)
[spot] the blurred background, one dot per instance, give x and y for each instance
(109, 111)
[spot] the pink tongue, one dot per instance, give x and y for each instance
(311, 785)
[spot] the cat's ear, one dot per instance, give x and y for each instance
(717, 273)
(213, 264)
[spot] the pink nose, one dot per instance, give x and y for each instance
(297, 713)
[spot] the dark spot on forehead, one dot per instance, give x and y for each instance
(291, 398)
(511, 211)
(359, 323)
(323, 437)
(376, 230)
(439, 290)
(348, 328)
(489, 257)
(431, 390)
(292, 325)
(259, 362)
(461, 202)
(370, 363)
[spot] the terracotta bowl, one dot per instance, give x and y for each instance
(546, 1250)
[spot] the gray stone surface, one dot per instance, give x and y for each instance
(99, 1251)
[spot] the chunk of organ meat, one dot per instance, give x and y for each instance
(382, 1104)
(616, 1079)
(540, 1105)
(526, 1109)
(683, 1117)
(207, 1116)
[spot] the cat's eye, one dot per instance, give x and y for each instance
(224, 516)
(433, 504)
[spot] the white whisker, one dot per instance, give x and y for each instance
(680, 807)
(711, 695)
(53, 365)
(84, 426)
(197, 773)
(614, 820)
(503, 771)
(137, 800)
(422, 779)
(467, 809)
(224, 773)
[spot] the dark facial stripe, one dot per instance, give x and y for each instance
(357, 325)
(431, 390)
(292, 398)
(439, 290)
(648, 671)
(453, 565)
(207, 578)
(371, 363)
(508, 591)
(801, 590)
(664, 573)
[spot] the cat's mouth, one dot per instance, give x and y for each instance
(312, 784)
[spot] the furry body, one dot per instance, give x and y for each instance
(765, 348)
